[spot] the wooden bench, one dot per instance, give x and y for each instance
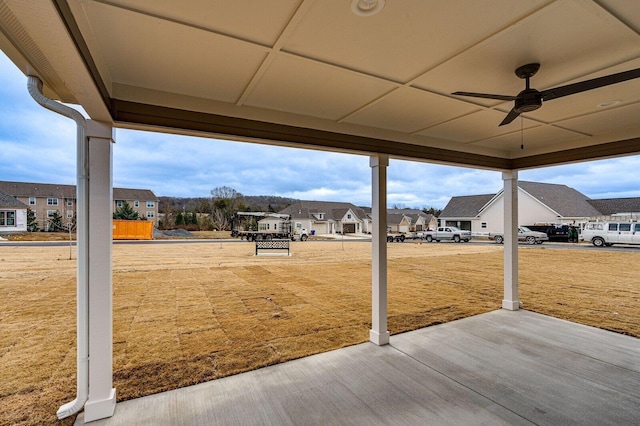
(272, 247)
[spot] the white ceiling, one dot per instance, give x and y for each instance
(385, 79)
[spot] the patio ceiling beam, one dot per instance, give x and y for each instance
(593, 152)
(137, 114)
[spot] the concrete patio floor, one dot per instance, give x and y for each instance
(502, 367)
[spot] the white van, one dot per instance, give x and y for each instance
(608, 233)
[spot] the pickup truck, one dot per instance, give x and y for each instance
(524, 235)
(447, 233)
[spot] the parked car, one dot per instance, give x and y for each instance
(524, 235)
(609, 233)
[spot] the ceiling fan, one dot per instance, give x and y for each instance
(531, 99)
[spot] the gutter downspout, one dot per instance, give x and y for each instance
(34, 85)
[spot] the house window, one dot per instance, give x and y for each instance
(349, 216)
(150, 204)
(32, 201)
(69, 213)
(8, 218)
(51, 213)
(136, 203)
(119, 203)
(69, 201)
(151, 215)
(52, 201)
(483, 225)
(321, 216)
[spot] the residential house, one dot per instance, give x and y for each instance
(415, 221)
(537, 203)
(327, 217)
(13, 214)
(44, 199)
(398, 222)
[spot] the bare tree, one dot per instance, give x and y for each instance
(224, 204)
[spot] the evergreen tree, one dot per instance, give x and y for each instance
(126, 212)
(432, 210)
(32, 223)
(179, 219)
(55, 223)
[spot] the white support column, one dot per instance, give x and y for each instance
(379, 334)
(510, 194)
(102, 395)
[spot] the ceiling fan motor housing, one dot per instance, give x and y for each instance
(528, 100)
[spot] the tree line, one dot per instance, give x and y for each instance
(215, 212)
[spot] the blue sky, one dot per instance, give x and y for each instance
(38, 145)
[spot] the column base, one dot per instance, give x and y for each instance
(101, 409)
(378, 338)
(511, 305)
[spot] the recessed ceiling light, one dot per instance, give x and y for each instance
(609, 103)
(366, 7)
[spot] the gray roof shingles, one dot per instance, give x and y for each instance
(8, 201)
(567, 201)
(466, 205)
(609, 206)
(395, 218)
(29, 189)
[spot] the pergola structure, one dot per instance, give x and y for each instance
(363, 76)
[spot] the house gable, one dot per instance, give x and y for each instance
(349, 217)
(7, 201)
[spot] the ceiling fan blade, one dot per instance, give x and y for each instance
(513, 114)
(486, 96)
(583, 86)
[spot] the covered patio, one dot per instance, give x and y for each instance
(497, 368)
(366, 77)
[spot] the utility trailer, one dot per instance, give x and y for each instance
(397, 237)
(258, 226)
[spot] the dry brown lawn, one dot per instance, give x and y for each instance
(187, 313)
